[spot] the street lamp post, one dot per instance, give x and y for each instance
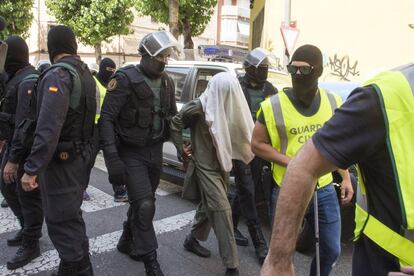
(287, 20)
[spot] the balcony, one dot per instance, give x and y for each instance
(235, 12)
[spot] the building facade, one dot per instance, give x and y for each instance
(357, 38)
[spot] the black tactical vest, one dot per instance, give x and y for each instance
(79, 124)
(267, 90)
(8, 101)
(134, 124)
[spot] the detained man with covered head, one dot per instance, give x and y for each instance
(221, 129)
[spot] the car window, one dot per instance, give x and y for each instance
(178, 75)
(203, 77)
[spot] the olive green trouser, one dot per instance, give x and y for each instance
(214, 211)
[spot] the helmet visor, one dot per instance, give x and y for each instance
(260, 57)
(157, 42)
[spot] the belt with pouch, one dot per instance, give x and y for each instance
(67, 151)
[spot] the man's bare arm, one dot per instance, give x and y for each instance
(347, 190)
(297, 189)
(262, 147)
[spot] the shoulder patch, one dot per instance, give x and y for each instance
(112, 85)
(53, 89)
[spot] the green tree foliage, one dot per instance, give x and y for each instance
(193, 18)
(94, 21)
(18, 15)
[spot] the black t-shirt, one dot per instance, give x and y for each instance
(356, 134)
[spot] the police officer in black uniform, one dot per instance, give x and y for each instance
(133, 126)
(26, 206)
(61, 151)
(249, 177)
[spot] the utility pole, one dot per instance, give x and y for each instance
(288, 6)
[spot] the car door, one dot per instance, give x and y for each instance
(180, 75)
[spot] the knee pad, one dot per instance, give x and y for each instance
(143, 213)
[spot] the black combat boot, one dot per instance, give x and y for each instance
(81, 268)
(152, 267)
(28, 251)
(17, 239)
(192, 245)
(238, 236)
(259, 241)
(85, 267)
(4, 204)
(240, 239)
(66, 269)
(126, 245)
(232, 272)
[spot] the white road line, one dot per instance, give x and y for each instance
(100, 162)
(104, 243)
(165, 188)
(99, 201)
(8, 221)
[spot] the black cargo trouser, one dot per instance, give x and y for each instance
(26, 206)
(248, 178)
(144, 170)
(9, 191)
(32, 211)
(62, 184)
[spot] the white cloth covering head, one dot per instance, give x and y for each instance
(229, 119)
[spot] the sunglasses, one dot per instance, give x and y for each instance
(304, 70)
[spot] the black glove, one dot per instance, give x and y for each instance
(117, 170)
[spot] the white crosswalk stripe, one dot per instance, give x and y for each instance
(104, 243)
(99, 201)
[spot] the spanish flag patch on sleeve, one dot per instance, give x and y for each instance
(53, 89)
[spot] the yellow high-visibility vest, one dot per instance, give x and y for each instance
(289, 130)
(395, 91)
(100, 95)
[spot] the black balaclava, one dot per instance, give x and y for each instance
(61, 39)
(257, 75)
(305, 87)
(17, 55)
(106, 69)
(151, 66)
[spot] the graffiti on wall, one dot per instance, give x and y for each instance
(342, 67)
